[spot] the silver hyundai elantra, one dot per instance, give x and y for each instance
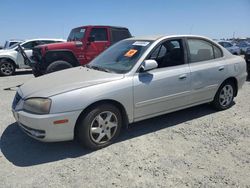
(135, 79)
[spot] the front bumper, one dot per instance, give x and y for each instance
(43, 128)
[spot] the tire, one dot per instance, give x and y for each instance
(224, 96)
(57, 66)
(95, 131)
(7, 68)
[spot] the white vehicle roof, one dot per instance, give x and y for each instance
(29, 40)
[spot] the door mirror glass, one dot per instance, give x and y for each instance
(148, 65)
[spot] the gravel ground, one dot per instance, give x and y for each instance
(196, 147)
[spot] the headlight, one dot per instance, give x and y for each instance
(37, 105)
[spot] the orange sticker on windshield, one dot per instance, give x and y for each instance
(130, 53)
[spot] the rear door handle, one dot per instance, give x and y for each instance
(221, 68)
(183, 76)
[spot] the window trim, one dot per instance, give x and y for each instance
(202, 39)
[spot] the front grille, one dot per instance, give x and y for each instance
(16, 100)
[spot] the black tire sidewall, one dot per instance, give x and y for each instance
(57, 66)
(216, 102)
(84, 125)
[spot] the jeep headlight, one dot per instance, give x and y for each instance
(37, 105)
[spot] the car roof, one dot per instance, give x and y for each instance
(157, 37)
(29, 40)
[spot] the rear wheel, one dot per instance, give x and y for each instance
(99, 127)
(224, 96)
(7, 68)
(57, 66)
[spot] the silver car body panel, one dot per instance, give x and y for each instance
(143, 95)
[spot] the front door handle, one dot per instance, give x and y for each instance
(221, 68)
(183, 76)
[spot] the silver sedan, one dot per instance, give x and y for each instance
(135, 79)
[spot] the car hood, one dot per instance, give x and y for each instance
(6, 51)
(64, 81)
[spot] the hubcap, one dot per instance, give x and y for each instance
(7, 68)
(226, 95)
(103, 127)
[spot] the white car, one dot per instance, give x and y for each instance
(10, 43)
(11, 59)
(133, 80)
(230, 47)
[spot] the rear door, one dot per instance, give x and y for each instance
(100, 43)
(208, 69)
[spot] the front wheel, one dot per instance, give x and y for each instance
(7, 68)
(99, 127)
(224, 96)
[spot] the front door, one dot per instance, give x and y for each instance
(100, 43)
(166, 88)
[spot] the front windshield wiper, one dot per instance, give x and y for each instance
(97, 68)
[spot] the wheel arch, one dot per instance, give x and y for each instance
(9, 60)
(105, 101)
(65, 55)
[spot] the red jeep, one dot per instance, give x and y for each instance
(83, 45)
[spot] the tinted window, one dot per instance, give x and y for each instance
(30, 45)
(169, 53)
(201, 50)
(100, 34)
(46, 42)
(119, 34)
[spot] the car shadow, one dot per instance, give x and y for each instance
(23, 72)
(23, 151)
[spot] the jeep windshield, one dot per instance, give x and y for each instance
(76, 34)
(121, 57)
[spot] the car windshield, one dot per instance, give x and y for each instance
(76, 34)
(14, 45)
(121, 57)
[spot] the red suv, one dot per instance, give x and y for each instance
(83, 44)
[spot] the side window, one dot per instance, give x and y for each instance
(100, 34)
(119, 34)
(201, 50)
(217, 52)
(30, 45)
(169, 53)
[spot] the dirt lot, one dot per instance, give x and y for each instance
(197, 147)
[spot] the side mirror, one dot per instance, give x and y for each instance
(91, 39)
(148, 65)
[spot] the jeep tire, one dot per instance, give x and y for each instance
(57, 66)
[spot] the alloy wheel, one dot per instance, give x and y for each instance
(226, 95)
(103, 127)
